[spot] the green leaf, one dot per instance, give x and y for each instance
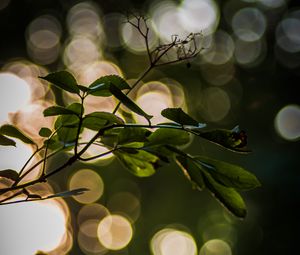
(45, 132)
(100, 87)
(54, 143)
(98, 120)
(127, 101)
(164, 136)
(9, 174)
(74, 192)
(57, 110)
(5, 141)
(141, 164)
(179, 116)
(130, 135)
(191, 171)
(229, 197)
(228, 174)
(63, 80)
(12, 131)
(235, 139)
(67, 125)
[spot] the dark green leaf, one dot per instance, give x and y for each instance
(130, 135)
(63, 80)
(127, 101)
(83, 88)
(9, 174)
(191, 171)
(231, 139)
(168, 136)
(179, 116)
(5, 141)
(57, 110)
(74, 192)
(12, 131)
(54, 143)
(67, 125)
(45, 132)
(141, 164)
(228, 174)
(98, 120)
(229, 197)
(100, 87)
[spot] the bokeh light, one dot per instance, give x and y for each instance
(199, 16)
(89, 179)
(248, 53)
(287, 36)
(43, 39)
(134, 40)
(19, 154)
(215, 104)
(125, 203)
(173, 242)
(92, 212)
(287, 122)
(80, 52)
(114, 232)
(83, 19)
(45, 221)
(215, 247)
(30, 72)
(154, 96)
(32, 113)
(249, 24)
(12, 86)
(220, 50)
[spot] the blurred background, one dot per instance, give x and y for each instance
(247, 74)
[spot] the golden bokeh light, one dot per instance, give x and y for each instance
(166, 17)
(114, 232)
(287, 122)
(80, 52)
(170, 241)
(90, 245)
(215, 247)
(30, 72)
(154, 96)
(96, 70)
(133, 39)
(92, 212)
(12, 87)
(36, 226)
(89, 179)
(125, 203)
(32, 113)
(83, 19)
